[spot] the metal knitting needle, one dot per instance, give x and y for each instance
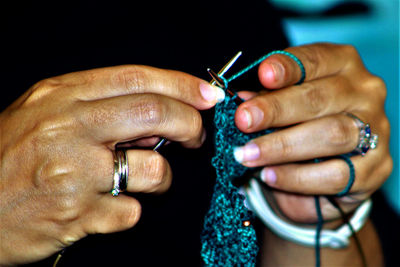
(213, 82)
(218, 80)
(227, 66)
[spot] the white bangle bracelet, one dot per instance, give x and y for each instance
(338, 238)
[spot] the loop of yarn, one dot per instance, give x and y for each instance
(261, 59)
(352, 176)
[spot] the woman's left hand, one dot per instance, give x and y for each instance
(315, 125)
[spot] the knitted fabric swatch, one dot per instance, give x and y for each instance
(226, 240)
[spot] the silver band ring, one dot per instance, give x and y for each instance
(121, 171)
(366, 139)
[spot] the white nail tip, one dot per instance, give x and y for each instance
(220, 95)
(238, 154)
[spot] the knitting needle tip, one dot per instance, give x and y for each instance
(216, 78)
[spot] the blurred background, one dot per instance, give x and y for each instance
(372, 26)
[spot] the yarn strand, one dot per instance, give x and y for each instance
(261, 59)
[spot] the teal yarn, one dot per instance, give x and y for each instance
(320, 222)
(352, 173)
(226, 239)
(352, 176)
(258, 61)
(320, 219)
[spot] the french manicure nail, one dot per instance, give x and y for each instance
(249, 152)
(220, 95)
(211, 93)
(268, 175)
(238, 153)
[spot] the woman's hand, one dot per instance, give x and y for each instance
(56, 152)
(315, 125)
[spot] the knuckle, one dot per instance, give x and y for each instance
(387, 166)
(67, 239)
(68, 202)
(182, 82)
(65, 215)
(66, 210)
(351, 53)
(376, 86)
(376, 175)
(349, 50)
(339, 133)
(156, 170)
(150, 111)
(41, 89)
(384, 126)
(61, 190)
(53, 127)
(91, 116)
(275, 110)
(311, 58)
(45, 136)
(69, 211)
(131, 78)
(315, 98)
(297, 178)
(282, 144)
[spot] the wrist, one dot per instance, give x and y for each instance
(276, 251)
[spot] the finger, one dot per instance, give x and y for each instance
(247, 95)
(324, 137)
(148, 172)
(301, 208)
(319, 60)
(296, 104)
(131, 79)
(111, 214)
(328, 177)
(124, 118)
(142, 142)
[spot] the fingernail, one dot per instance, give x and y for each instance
(278, 70)
(254, 116)
(212, 93)
(245, 153)
(220, 95)
(248, 118)
(268, 176)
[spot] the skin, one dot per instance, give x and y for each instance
(315, 126)
(56, 154)
(53, 193)
(276, 251)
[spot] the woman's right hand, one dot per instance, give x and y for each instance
(56, 152)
